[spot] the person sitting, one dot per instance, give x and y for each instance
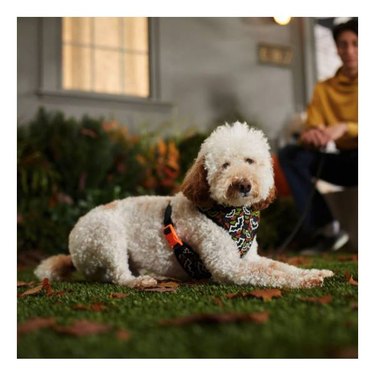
(331, 124)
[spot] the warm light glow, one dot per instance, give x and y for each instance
(282, 20)
(106, 55)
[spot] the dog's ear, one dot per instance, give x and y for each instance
(261, 205)
(195, 186)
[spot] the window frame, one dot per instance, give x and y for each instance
(304, 66)
(50, 80)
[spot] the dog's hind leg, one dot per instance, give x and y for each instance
(112, 265)
(99, 251)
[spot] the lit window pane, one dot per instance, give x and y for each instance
(136, 34)
(106, 55)
(107, 72)
(107, 32)
(136, 75)
(76, 30)
(76, 68)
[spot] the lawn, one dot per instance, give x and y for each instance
(193, 320)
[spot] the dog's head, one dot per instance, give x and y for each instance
(233, 168)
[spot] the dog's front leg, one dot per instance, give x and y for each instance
(225, 265)
(287, 268)
(285, 275)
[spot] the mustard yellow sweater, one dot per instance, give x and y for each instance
(336, 100)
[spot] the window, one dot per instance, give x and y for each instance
(327, 60)
(106, 55)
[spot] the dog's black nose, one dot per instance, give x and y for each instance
(244, 187)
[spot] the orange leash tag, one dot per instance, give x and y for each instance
(171, 236)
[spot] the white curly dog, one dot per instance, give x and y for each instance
(216, 214)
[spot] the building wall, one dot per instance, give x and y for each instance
(210, 67)
(205, 68)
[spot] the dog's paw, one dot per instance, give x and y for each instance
(315, 278)
(319, 273)
(326, 273)
(142, 282)
(311, 282)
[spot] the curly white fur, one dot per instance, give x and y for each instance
(122, 241)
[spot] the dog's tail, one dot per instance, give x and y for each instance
(57, 267)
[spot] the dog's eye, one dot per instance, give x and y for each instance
(225, 165)
(250, 161)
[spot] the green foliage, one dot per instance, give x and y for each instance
(189, 147)
(65, 167)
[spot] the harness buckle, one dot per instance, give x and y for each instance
(171, 236)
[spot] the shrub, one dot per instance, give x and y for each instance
(66, 167)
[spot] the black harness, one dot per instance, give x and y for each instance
(186, 256)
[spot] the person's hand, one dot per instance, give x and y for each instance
(336, 131)
(315, 137)
(319, 137)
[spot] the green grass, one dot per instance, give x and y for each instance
(295, 329)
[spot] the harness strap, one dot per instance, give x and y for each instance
(168, 215)
(169, 231)
(186, 256)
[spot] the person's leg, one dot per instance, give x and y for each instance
(300, 167)
(340, 169)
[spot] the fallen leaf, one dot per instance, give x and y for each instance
(260, 317)
(348, 258)
(43, 287)
(264, 294)
(218, 301)
(96, 307)
(47, 286)
(83, 328)
(118, 295)
(163, 286)
(122, 335)
(80, 307)
(350, 279)
(25, 283)
(31, 292)
(35, 324)
(157, 289)
(321, 300)
(223, 318)
(169, 284)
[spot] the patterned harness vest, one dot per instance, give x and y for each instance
(240, 222)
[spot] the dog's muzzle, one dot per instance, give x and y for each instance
(243, 187)
(239, 188)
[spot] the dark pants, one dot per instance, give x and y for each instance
(301, 165)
